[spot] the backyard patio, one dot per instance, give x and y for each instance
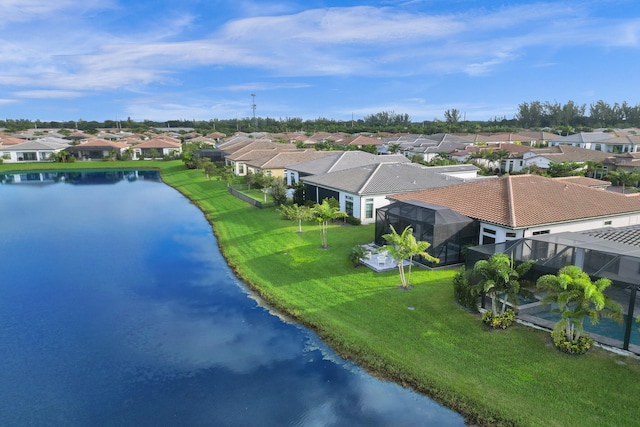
(379, 261)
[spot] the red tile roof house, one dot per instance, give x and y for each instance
(239, 153)
(163, 147)
(97, 149)
(513, 207)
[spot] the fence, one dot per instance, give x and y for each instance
(235, 191)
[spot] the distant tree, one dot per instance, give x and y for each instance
(209, 169)
(530, 115)
(623, 178)
(250, 178)
(227, 174)
(452, 117)
(564, 168)
(278, 192)
(298, 193)
(394, 148)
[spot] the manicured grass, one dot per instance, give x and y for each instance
(512, 377)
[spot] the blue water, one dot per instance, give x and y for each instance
(605, 327)
(116, 309)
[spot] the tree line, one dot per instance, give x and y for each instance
(535, 115)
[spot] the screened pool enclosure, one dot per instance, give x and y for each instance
(610, 253)
(448, 232)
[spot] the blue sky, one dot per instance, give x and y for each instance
(202, 59)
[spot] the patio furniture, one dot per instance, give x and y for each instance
(382, 258)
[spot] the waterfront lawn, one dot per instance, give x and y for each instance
(418, 338)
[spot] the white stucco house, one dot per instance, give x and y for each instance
(31, 151)
(362, 190)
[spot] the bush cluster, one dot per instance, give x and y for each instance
(579, 346)
(352, 220)
(499, 321)
(462, 291)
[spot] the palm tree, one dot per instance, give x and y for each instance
(499, 279)
(325, 213)
(296, 213)
(577, 297)
(394, 148)
(622, 177)
(405, 246)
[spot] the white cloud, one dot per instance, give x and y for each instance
(48, 94)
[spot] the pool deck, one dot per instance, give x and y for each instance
(379, 262)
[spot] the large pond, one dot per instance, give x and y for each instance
(116, 309)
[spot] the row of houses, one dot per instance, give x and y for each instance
(45, 149)
(451, 206)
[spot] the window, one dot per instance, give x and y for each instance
(511, 234)
(241, 168)
(348, 208)
(487, 240)
(607, 223)
(537, 233)
(488, 231)
(368, 208)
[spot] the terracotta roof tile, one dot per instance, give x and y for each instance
(527, 200)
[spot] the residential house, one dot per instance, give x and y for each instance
(543, 157)
(520, 206)
(276, 163)
(363, 189)
(98, 149)
(31, 151)
(588, 140)
(238, 154)
(336, 161)
(359, 141)
(161, 147)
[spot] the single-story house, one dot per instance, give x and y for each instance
(276, 164)
(336, 161)
(160, 146)
(31, 151)
(543, 157)
(364, 189)
(98, 149)
(520, 206)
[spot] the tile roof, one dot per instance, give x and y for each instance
(159, 143)
(386, 178)
(583, 180)
(35, 145)
(581, 137)
(359, 140)
(283, 159)
(569, 153)
(520, 201)
(97, 142)
(344, 160)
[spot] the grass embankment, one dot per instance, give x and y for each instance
(512, 377)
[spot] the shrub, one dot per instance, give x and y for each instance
(499, 321)
(356, 255)
(462, 291)
(352, 220)
(579, 346)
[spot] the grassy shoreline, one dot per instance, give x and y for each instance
(512, 377)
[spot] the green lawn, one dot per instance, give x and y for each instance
(512, 377)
